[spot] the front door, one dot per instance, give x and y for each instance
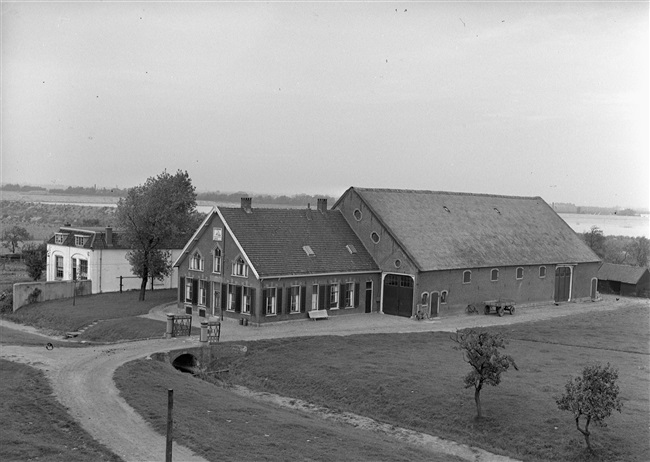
(435, 304)
(398, 295)
(368, 296)
(594, 288)
(562, 283)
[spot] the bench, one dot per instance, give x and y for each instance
(318, 314)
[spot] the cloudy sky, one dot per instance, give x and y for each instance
(537, 99)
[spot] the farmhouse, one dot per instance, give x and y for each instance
(440, 251)
(95, 254)
(631, 281)
(400, 252)
(264, 264)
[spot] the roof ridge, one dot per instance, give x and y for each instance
(449, 193)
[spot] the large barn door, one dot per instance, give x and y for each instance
(562, 283)
(398, 295)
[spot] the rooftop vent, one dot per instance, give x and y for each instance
(308, 250)
(351, 248)
(497, 210)
(446, 209)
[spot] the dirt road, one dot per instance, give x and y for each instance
(82, 378)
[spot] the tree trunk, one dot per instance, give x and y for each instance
(584, 432)
(477, 399)
(143, 285)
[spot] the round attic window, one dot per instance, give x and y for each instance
(375, 237)
(398, 263)
(357, 215)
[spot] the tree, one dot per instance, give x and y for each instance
(595, 240)
(481, 352)
(13, 236)
(593, 397)
(640, 250)
(156, 216)
(35, 257)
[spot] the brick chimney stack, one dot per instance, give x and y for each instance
(247, 204)
(109, 236)
(322, 205)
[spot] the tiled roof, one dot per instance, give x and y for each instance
(97, 238)
(444, 230)
(623, 273)
(273, 240)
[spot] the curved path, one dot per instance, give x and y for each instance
(82, 378)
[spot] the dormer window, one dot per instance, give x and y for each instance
(196, 262)
(239, 267)
(80, 241)
(59, 238)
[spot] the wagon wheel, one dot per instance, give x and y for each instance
(512, 310)
(487, 309)
(500, 311)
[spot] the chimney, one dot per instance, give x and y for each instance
(109, 236)
(247, 204)
(322, 205)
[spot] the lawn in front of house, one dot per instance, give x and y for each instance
(62, 316)
(416, 381)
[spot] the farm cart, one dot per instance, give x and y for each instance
(500, 306)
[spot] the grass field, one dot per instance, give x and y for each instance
(61, 316)
(415, 381)
(34, 426)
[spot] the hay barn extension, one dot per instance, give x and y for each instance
(400, 252)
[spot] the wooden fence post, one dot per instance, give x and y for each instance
(170, 424)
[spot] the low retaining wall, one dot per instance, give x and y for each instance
(32, 292)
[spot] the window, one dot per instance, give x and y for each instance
(232, 298)
(357, 215)
(59, 238)
(196, 262)
(443, 297)
(467, 277)
(203, 293)
(83, 270)
(216, 266)
(314, 297)
(424, 299)
(308, 250)
(239, 267)
(542, 271)
(188, 290)
(246, 300)
(349, 295)
(59, 267)
(216, 298)
(294, 299)
(270, 301)
(79, 241)
(375, 237)
(494, 275)
(520, 273)
(398, 263)
(334, 296)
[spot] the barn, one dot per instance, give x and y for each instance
(630, 281)
(440, 251)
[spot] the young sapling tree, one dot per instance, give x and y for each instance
(592, 397)
(481, 350)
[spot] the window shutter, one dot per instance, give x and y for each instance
(356, 295)
(322, 292)
(328, 296)
(278, 301)
(195, 291)
(238, 299)
(207, 293)
(181, 290)
(289, 297)
(265, 297)
(341, 295)
(252, 298)
(224, 296)
(303, 298)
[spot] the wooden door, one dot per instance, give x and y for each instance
(562, 283)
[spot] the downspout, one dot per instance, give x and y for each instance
(101, 254)
(381, 299)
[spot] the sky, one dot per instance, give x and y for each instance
(542, 99)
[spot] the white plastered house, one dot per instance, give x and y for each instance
(96, 254)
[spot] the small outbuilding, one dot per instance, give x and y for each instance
(629, 281)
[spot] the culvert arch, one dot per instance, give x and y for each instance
(186, 362)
